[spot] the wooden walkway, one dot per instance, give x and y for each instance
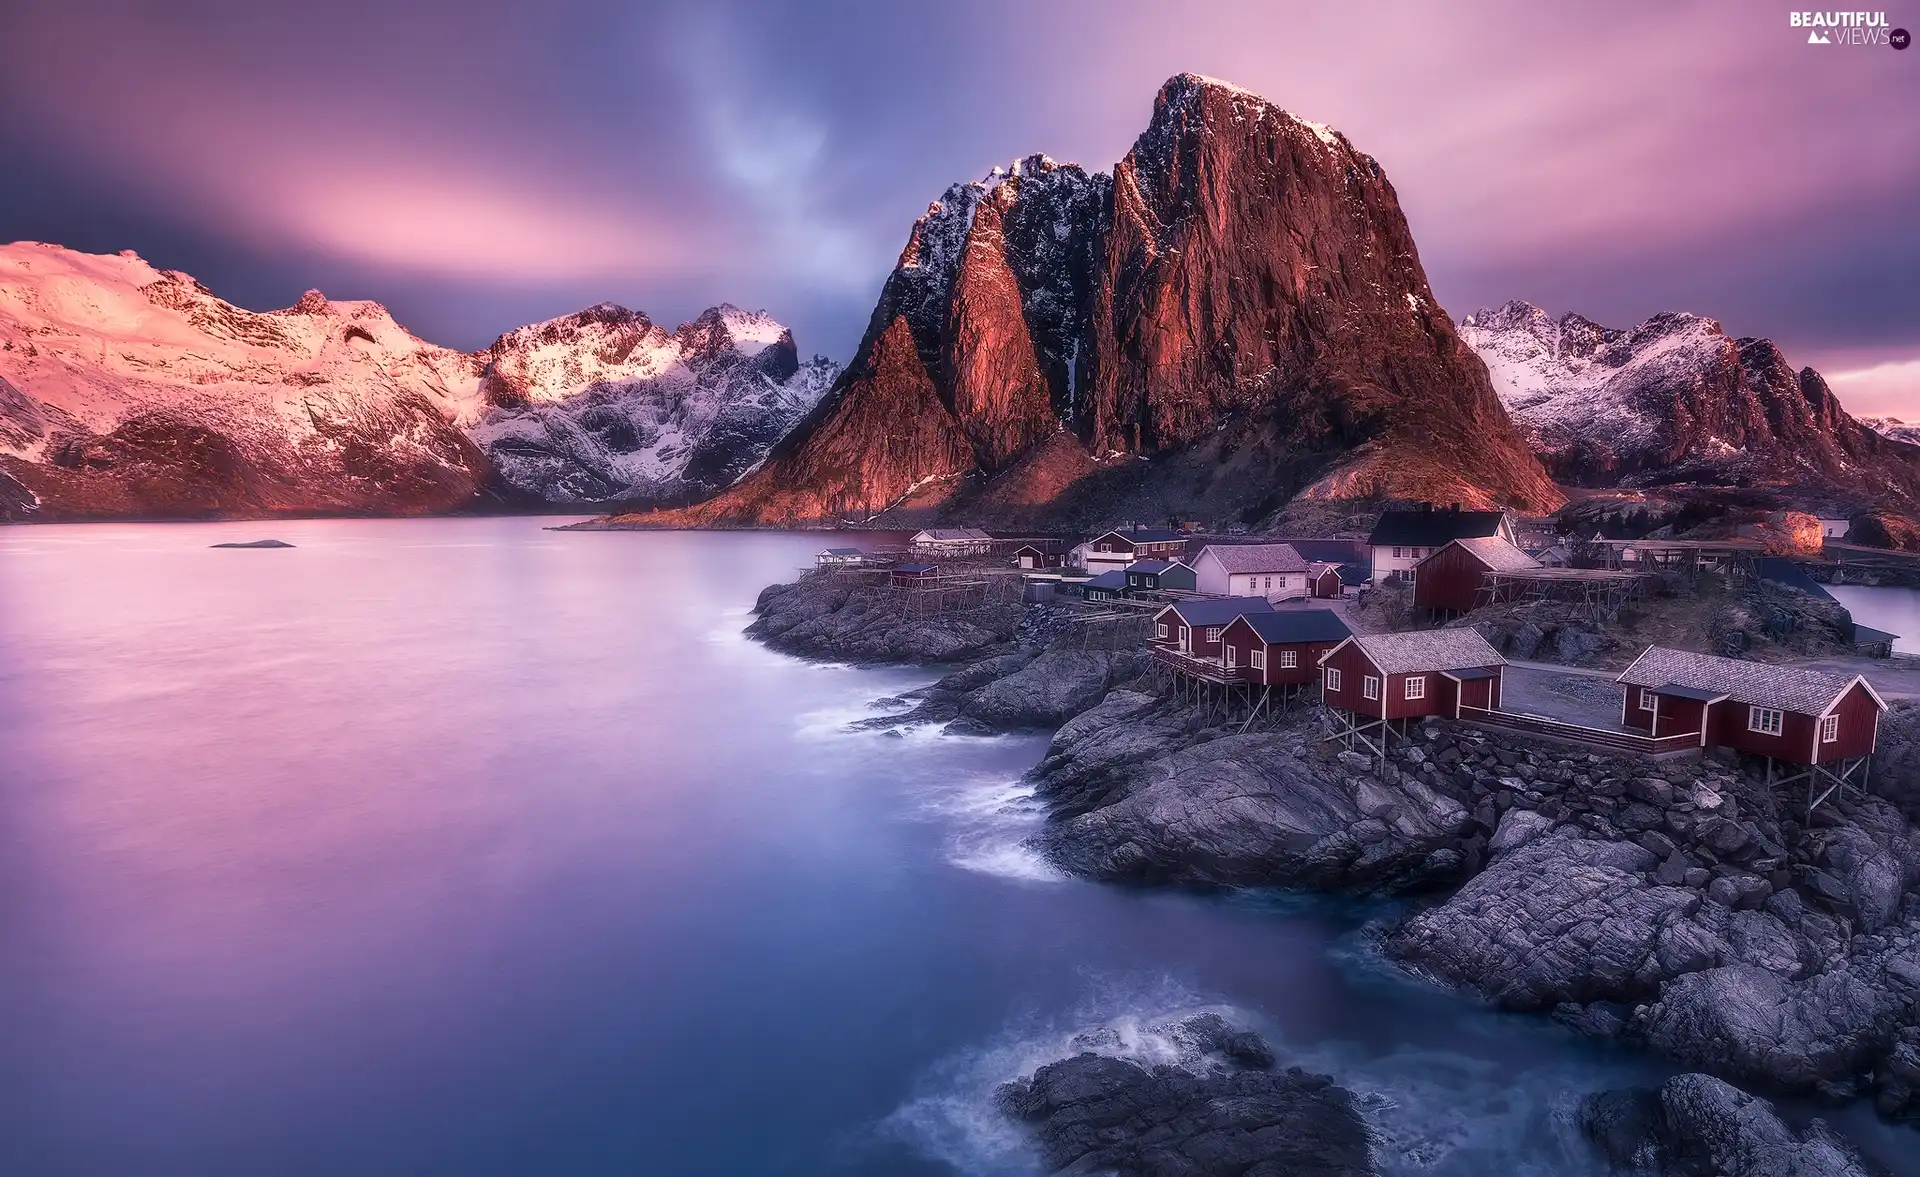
(1596, 737)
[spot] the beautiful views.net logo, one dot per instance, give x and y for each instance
(1848, 28)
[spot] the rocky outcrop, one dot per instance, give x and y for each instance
(1223, 1111)
(1698, 1126)
(1241, 303)
(1676, 400)
(817, 617)
(132, 392)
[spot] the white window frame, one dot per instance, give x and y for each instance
(1399, 553)
(1830, 729)
(1213, 633)
(1415, 686)
(1233, 657)
(1289, 659)
(1161, 629)
(1647, 699)
(1767, 721)
(1257, 659)
(1333, 678)
(1370, 686)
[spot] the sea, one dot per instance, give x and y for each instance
(471, 848)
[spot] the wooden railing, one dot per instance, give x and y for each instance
(1194, 666)
(1599, 737)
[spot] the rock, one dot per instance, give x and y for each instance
(816, 617)
(1097, 1114)
(1699, 1126)
(1651, 790)
(967, 726)
(1052, 688)
(257, 543)
(1517, 828)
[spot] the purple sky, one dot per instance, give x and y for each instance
(478, 165)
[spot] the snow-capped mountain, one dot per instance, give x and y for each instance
(604, 406)
(1895, 428)
(128, 391)
(1676, 400)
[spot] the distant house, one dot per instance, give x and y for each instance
(838, 557)
(1194, 627)
(1447, 581)
(1152, 576)
(1833, 528)
(913, 575)
(1323, 580)
(1281, 648)
(1395, 676)
(951, 541)
(1040, 554)
(1874, 643)
(1807, 717)
(1274, 571)
(1105, 587)
(1402, 539)
(1117, 549)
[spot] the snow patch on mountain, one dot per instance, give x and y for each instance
(1895, 428)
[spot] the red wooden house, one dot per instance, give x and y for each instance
(1282, 648)
(1323, 581)
(1828, 723)
(1194, 627)
(1382, 679)
(1447, 583)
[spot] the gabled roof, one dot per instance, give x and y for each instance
(1425, 649)
(842, 552)
(951, 535)
(1218, 610)
(1331, 551)
(1433, 529)
(1043, 546)
(1256, 557)
(1758, 684)
(1287, 627)
(1355, 574)
(1115, 580)
(1155, 567)
(1142, 537)
(913, 568)
(1496, 553)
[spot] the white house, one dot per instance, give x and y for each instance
(1115, 550)
(1274, 571)
(1402, 539)
(1834, 528)
(951, 541)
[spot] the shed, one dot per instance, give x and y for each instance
(1152, 576)
(1040, 554)
(1323, 581)
(1105, 586)
(1281, 648)
(1395, 676)
(1789, 713)
(1447, 583)
(1195, 627)
(910, 575)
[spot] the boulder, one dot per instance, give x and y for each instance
(1699, 1126)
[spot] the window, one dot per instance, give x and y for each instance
(1257, 659)
(1416, 686)
(1213, 633)
(1399, 553)
(1289, 659)
(1646, 699)
(1370, 686)
(1160, 630)
(1333, 679)
(1830, 730)
(1765, 720)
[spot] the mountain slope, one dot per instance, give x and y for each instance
(129, 392)
(1237, 316)
(1676, 400)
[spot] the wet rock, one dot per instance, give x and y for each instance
(818, 618)
(1052, 688)
(1698, 1126)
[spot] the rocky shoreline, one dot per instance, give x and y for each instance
(1671, 906)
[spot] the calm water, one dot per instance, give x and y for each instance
(465, 848)
(1895, 610)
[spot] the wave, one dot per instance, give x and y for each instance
(992, 819)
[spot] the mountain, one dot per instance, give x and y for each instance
(1895, 428)
(1237, 316)
(1677, 401)
(131, 392)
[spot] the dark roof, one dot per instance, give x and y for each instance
(1152, 567)
(1332, 551)
(1043, 545)
(1433, 529)
(1355, 574)
(1863, 634)
(1471, 673)
(1697, 694)
(1219, 610)
(1785, 573)
(1290, 626)
(914, 568)
(841, 552)
(1115, 580)
(1144, 537)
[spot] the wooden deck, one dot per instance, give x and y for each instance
(1205, 669)
(1597, 737)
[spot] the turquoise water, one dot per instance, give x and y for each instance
(461, 847)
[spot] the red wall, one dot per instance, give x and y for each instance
(1244, 641)
(1727, 728)
(1448, 580)
(1859, 726)
(1327, 584)
(1634, 717)
(1352, 663)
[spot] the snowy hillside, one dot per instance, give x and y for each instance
(131, 391)
(1895, 428)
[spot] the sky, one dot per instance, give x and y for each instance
(481, 164)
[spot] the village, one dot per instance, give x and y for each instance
(1244, 629)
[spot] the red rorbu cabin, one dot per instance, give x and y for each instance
(1194, 627)
(1447, 583)
(1283, 648)
(1805, 717)
(1323, 580)
(1395, 676)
